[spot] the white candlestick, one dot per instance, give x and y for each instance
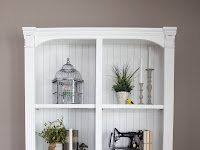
(70, 139)
(149, 64)
(141, 70)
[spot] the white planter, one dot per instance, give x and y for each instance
(122, 97)
(55, 146)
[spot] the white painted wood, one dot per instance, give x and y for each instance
(104, 129)
(91, 130)
(46, 118)
(85, 73)
(46, 72)
(125, 106)
(117, 61)
(46, 34)
(98, 130)
(169, 54)
(29, 90)
(52, 62)
(39, 120)
(158, 74)
(39, 74)
(131, 112)
(55, 106)
(158, 130)
(93, 51)
(92, 72)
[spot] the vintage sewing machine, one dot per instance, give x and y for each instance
(126, 141)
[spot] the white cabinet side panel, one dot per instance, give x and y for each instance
(29, 96)
(169, 99)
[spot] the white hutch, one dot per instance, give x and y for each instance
(93, 51)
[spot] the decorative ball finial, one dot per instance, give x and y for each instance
(68, 61)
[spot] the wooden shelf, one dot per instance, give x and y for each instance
(57, 106)
(126, 106)
(91, 106)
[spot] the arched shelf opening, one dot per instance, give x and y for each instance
(157, 41)
(119, 52)
(65, 41)
(50, 56)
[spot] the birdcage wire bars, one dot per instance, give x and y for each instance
(67, 85)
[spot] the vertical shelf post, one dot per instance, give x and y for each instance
(169, 51)
(29, 48)
(99, 46)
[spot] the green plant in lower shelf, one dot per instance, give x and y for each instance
(53, 133)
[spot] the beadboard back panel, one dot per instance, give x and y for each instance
(129, 120)
(82, 120)
(49, 58)
(119, 52)
(52, 55)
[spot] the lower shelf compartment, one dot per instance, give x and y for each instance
(82, 120)
(132, 120)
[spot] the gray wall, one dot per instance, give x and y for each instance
(102, 13)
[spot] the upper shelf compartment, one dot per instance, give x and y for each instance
(118, 52)
(52, 55)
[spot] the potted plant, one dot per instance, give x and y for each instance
(123, 82)
(54, 134)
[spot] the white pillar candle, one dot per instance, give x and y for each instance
(149, 64)
(141, 70)
(70, 139)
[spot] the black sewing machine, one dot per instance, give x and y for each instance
(126, 141)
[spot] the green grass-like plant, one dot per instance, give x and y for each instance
(54, 133)
(123, 78)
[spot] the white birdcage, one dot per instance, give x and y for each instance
(67, 85)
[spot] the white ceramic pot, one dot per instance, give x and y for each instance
(58, 146)
(122, 97)
(55, 146)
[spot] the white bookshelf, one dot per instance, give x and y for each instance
(93, 51)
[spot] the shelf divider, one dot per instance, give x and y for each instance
(98, 129)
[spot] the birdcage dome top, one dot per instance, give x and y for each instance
(68, 72)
